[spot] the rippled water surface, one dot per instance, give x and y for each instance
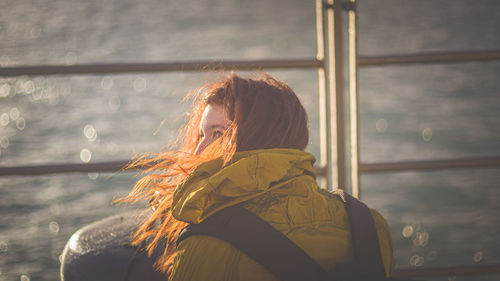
(423, 112)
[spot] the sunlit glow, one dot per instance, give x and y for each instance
(85, 155)
(14, 113)
(140, 84)
(107, 83)
(381, 125)
(416, 260)
(73, 242)
(4, 142)
(4, 119)
(90, 132)
(20, 124)
(427, 134)
(54, 227)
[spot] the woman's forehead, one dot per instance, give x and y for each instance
(214, 116)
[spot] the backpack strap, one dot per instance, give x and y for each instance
(367, 258)
(259, 241)
(283, 258)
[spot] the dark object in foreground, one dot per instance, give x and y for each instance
(102, 251)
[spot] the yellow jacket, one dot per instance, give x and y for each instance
(279, 186)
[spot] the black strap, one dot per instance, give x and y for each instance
(364, 237)
(261, 242)
(283, 258)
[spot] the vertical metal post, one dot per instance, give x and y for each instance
(353, 98)
(337, 104)
(325, 182)
(331, 97)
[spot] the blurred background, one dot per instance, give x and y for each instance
(414, 112)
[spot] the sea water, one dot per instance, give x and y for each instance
(424, 112)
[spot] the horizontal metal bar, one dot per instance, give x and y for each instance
(447, 271)
(478, 162)
(202, 65)
(211, 65)
(63, 168)
(433, 57)
(113, 166)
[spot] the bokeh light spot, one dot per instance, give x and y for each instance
(90, 132)
(4, 90)
(85, 155)
(4, 119)
(427, 134)
(4, 246)
(140, 84)
(421, 239)
(21, 124)
(107, 83)
(407, 231)
(29, 87)
(54, 227)
(416, 260)
(14, 113)
(4, 142)
(478, 256)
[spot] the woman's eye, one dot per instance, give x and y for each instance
(217, 134)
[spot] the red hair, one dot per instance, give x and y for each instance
(263, 113)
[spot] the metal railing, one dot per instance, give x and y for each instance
(402, 166)
(448, 271)
(210, 65)
(122, 68)
(329, 63)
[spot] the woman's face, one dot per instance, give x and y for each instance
(213, 123)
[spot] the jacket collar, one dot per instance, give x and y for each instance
(211, 187)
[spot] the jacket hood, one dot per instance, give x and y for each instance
(211, 187)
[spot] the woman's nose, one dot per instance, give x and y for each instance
(201, 146)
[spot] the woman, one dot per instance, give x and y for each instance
(243, 144)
